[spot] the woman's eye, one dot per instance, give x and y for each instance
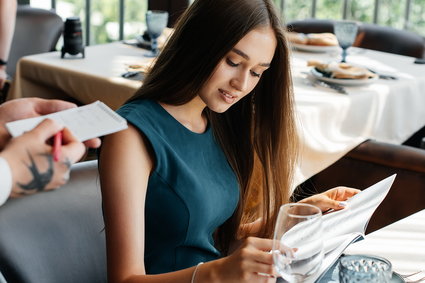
(230, 63)
(255, 74)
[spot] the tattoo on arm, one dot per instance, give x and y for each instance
(68, 164)
(39, 179)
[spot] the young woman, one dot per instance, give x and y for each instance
(175, 184)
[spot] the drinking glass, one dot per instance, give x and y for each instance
(364, 268)
(298, 241)
(345, 32)
(156, 21)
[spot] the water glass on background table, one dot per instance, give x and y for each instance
(156, 21)
(298, 241)
(364, 268)
(345, 32)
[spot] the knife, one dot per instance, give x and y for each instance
(338, 88)
(384, 76)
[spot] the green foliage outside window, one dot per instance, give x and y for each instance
(105, 14)
(417, 18)
(391, 13)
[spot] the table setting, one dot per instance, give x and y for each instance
(335, 73)
(152, 39)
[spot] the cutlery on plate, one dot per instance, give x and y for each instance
(414, 281)
(412, 277)
(314, 82)
(384, 76)
(338, 88)
(130, 74)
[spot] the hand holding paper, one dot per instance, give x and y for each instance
(85, 122)
(341, 228)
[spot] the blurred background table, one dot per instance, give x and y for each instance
(97, 77)
(331, 124)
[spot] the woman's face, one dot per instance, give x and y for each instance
(239, 71)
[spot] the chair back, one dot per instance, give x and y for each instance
(36, 31)
(311, 26)
(390, 40)
(55, 236)
(370, 36)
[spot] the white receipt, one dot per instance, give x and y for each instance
(85, 122)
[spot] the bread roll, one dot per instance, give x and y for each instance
(342, 70)
(322, 39)
(295, 37)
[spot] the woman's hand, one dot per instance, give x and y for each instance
(251, 262)
(331, 199)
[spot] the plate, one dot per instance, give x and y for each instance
(314, 48)
(348, 82)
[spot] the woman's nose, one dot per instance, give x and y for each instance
(240, 82)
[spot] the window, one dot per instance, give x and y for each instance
(106, 20)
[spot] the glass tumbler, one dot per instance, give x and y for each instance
(298, 241)
(364, 268)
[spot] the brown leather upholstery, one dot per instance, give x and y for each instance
(369, 163)
(36, 31)
(417, 139)
(390, 40)
(370, 36)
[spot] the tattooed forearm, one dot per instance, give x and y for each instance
(39, 180)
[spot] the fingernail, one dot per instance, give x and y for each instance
(343, 203)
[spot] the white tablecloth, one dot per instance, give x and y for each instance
(331, 124)
(402, 243)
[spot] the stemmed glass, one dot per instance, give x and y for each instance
(298, 242)
(156, 21)
(345, 32)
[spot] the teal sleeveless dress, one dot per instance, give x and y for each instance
(191, 192)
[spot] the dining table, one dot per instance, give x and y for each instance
(402, 243)
(330, 123)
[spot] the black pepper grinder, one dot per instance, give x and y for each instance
(72, 37)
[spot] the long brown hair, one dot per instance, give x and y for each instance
(258, 131)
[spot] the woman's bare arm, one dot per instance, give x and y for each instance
(125, 165)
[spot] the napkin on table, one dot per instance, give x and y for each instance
(342, 70)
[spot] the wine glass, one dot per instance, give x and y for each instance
(298, 241)
(156, 21)
(345, 32)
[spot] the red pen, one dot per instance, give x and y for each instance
(57, 144)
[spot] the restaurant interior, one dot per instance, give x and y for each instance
(359, 95)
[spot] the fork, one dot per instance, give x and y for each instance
(414, 281)
(411, 274)
(407, 276)
(314, 82)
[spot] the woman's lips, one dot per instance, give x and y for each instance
(227, 97)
